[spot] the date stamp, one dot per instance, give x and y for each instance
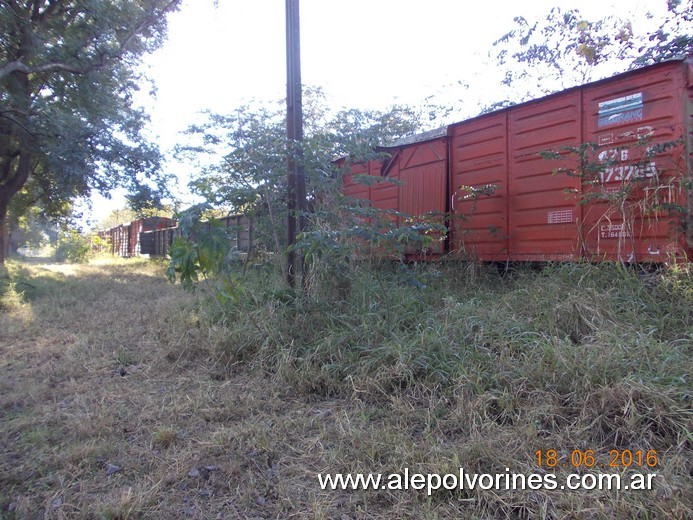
(590, 458)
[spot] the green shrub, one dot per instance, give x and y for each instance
(72, 247)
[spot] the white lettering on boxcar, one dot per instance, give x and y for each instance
(618, 171)
(614, 231)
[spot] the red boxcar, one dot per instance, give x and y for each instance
(146, 224)
(414, 185)
(614, 185)
(125, 239)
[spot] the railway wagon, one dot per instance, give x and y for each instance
(157, 242)
(597, 172)
(124, 239)
(413, 185)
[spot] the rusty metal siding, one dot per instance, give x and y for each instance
(478, 157)
(536, 213)
(541, 212)
(628, 117)
(422, 194)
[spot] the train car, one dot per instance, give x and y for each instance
(408, 184)
(157, 242)
(137, 227)
(596, 172)
(118, 238)
(124, 239)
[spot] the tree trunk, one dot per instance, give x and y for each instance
(4, 235)
(7, 191)
(13, 233)
(15, 154)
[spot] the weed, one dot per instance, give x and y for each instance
(126, 358)
(164, 437)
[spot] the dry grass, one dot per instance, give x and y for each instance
(121, 398)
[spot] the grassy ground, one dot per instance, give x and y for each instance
(123, 397)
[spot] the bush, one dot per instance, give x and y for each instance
(72, 247)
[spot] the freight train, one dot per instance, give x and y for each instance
(599, 172)
(153, 236)
(125, 239)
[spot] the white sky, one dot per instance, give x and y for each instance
(363, 53)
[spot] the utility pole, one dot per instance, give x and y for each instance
(296, 181)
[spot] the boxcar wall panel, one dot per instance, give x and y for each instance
(422, 194)
(162, 242)
(542, 212)
(123, 241)
(351, 187)
(412, 182)
(116, 242)
(380, 194)
(147, 246)
(628, 117)
(421, 154)
(136, 227)
(356, 192)
(240, 231)
(385, 194)
(478, 157)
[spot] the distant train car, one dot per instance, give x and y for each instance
(597, 172)
(157, 242)
(124, 240)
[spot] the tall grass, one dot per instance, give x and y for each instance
(567, 328)
(569, 356)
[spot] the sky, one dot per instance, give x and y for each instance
(363, 53)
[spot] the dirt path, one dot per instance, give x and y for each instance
(114, 407)
(111, 410)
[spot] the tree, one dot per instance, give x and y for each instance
(67, 78)
(31, 224)
(674, 37)
(565, 49)
(251, 142)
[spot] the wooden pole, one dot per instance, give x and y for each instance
(296, 182)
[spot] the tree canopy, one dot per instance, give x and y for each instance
(565, 49)
(68, 124)
(239, 159)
